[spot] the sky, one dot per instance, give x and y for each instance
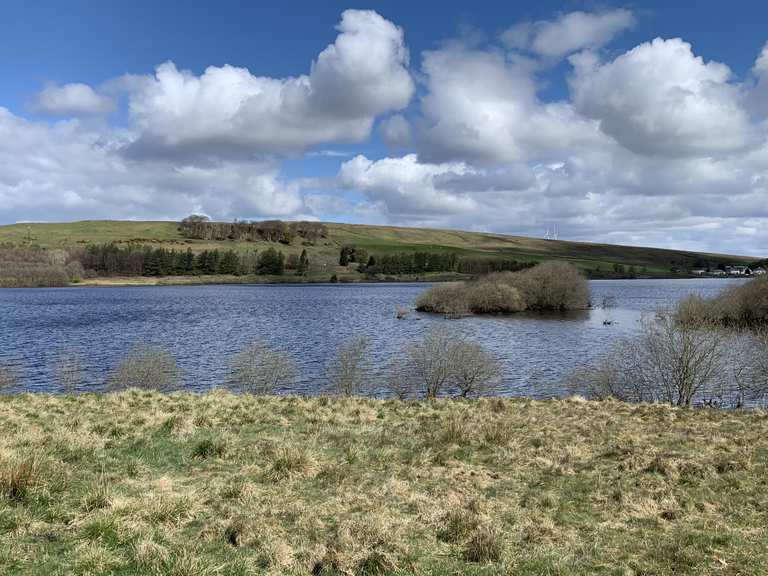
(641, 123)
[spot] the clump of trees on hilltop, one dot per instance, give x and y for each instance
(550, 286)
(201, 228)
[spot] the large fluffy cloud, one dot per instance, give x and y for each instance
(660, 98)
(568, 33)
(227, 110)
(68, 171)
(405, 187)
(481, 107)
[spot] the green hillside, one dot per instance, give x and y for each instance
(377, 240)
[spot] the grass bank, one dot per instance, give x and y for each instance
(181, 484)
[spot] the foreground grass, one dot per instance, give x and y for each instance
(144, 483)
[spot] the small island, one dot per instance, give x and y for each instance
(549, 286)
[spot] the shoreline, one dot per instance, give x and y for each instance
(139, 281)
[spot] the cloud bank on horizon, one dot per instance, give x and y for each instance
(652, 146)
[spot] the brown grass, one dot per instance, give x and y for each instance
(133, 483)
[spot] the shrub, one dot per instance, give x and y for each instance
(431, 361)
(146, 367)
(669, 362)
(258, 369)
(444, 299)
(554, 286)
(490, 297)
(744, 306)
(8, 377)
(443, 361)
(474, 370)
(348, 371)
(68, 368)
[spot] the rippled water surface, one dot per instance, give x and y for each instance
(204, 325)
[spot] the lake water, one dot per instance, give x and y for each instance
(204, 325)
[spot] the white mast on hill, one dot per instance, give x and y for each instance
(551, 235)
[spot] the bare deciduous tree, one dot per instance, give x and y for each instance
(8, 376)
(258, 369)
(474, 371)
(146, 367)
(400, 382)
(348, 371)
(68, 367)
(668, 362)
(431, 361)
(443, 361)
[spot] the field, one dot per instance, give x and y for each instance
(593, 258)
(181, 484)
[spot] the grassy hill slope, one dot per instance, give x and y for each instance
(377, 240)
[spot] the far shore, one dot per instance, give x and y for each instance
(124, 281)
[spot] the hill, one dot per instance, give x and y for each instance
(598, 260)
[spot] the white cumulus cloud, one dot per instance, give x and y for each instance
(568, 33)
(73, 99)
(481, 107)
(229, 111)
(68, 171)
(660, 98)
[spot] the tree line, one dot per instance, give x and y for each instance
(421, 262)
(32, 266)
(113, 260)
(201, 228)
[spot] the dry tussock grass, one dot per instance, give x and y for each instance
(145, 483)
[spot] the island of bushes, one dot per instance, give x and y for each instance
(549, 286)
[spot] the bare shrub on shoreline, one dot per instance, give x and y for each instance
(475, 371)
(9, 377)
(258, 369)
(554, 286)
(743, 306)
(431, 361)
(146, 367)
(348, 371)
(69, 370)
(681, 364)
(445, 363)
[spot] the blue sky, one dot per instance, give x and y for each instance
(608, 135)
